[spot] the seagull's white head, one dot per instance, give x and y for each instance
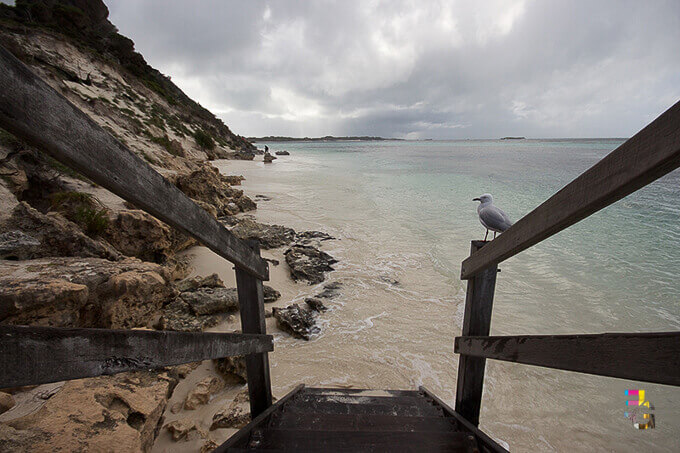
(486, 198)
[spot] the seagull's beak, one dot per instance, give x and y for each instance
(476, 199)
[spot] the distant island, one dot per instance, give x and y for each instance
(513, 138)
(327, 138)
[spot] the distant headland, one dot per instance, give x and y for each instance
(327, 138)
(513, 138)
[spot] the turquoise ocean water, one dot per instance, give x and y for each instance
(403, 211)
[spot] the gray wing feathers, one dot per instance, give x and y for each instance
(494, 219)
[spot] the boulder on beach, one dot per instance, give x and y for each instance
(297, 321)
(269, 236)
(268, 158)
(308, 263)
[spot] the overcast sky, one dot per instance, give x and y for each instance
(416, 69)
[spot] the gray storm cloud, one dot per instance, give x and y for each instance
(439, 69)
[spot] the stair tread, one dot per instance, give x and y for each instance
(393, 408)
(370, 441)
(361, 422)
(414, 401)
(359, 392)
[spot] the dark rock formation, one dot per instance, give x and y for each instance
(282, 153)
(297, 321)
(232, 367)
(330, 290)
(268, 158)
(269, 236)
(308, 263)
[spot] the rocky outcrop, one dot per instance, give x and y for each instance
(82, 292)
(269, 236)
(308, 263)
(178, 315)
(106, 413)
(184, 429)
(55, 236)
(268, 158)
(297, 321)
(208, 185)
(210, 301)
(190, 284)
(6, 402)
(330, 290)
(282, 153)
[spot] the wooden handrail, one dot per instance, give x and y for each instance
(37, 114)
(650, 154)
(38, 355)
(647, 357)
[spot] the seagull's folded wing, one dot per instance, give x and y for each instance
(495, 219)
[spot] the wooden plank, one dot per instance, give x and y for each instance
(240, 439)
(646, 357)
(38, 355)
(650, 154)
(487, 442)
(360, 422)
(251, 306)
(476, 321)
(358, 441)
(37, 114)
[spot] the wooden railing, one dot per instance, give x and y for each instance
(650, 357)
(38, 115)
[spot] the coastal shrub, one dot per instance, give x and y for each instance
(166, 143)
(82, 209)
(68, 171)
(10, 141)
(204, 140)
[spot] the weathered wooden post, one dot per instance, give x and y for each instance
(476, 321)
(251, 305)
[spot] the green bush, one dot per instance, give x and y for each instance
(164, 141)
(82, 209)
(204, 140)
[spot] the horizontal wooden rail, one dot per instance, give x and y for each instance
(650, 154)
(37, 114)
(38, 355)
(646, 357)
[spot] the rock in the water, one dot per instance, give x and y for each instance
(232, 367)
(297, 321)
(268, 158)
(308, 263)
(282, 153)
(210, 301)
(315, 304)
(269, 236)
(56, 236)
(6, 402)
(202, 393)
(313, 238)
(105, 413)
(237, 415)
(82, 292)
(330, 290)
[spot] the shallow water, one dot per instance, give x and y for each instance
(403, 216)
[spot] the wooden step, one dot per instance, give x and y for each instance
(395, 407)
(361, 422)
(360, 392)
(358, 441)
(413, 401)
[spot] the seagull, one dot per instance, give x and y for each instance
(492, 218)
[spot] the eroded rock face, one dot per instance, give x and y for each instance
(232, 367)
(82, 292)
(209, 301)
(297, 321)
(308, 263)
(178, 315)
(237, 415)
(190, 284)
(136, 233)
(315, 304)
(202, 393)
(56, 237)
(106, 413)
(183, 429)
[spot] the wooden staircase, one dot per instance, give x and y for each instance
(351, 420)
